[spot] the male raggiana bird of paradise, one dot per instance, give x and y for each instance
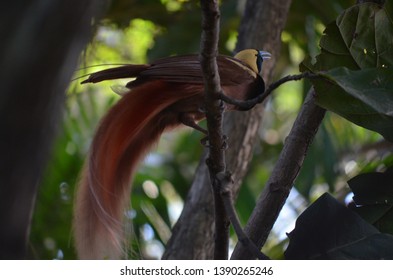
(164, 95)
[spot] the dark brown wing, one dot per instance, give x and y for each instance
(236, 77)
(187, 69)
(126, 71)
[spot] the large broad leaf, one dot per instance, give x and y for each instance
(361, 37)
(357, 59)
(373, 198)
(364, 97)
(329, 230)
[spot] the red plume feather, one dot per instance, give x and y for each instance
(123, 138)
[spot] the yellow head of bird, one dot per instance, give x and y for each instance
(253, 58)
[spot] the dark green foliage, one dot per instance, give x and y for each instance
(373, 198)
(328, 230)
(355, 63)
(356, 59)
(364, 97)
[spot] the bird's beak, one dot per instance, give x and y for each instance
(265, 55)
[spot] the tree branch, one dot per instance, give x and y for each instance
(226, 188)
(248, 104)
(283, 176)
(214, 116)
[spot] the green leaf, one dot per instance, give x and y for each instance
(329, 230)
(356, 58)
(373, 197)
(361, 37)
(364, 97)
(372, 188)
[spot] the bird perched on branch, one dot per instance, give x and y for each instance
(164, 95)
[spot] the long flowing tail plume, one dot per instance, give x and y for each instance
(123, 138)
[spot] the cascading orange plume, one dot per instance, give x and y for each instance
(164, 95)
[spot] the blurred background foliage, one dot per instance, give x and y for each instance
(136, 31)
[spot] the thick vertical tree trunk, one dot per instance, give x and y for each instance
(193, 235)
(41, 43)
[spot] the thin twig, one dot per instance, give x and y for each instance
(248, 104)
